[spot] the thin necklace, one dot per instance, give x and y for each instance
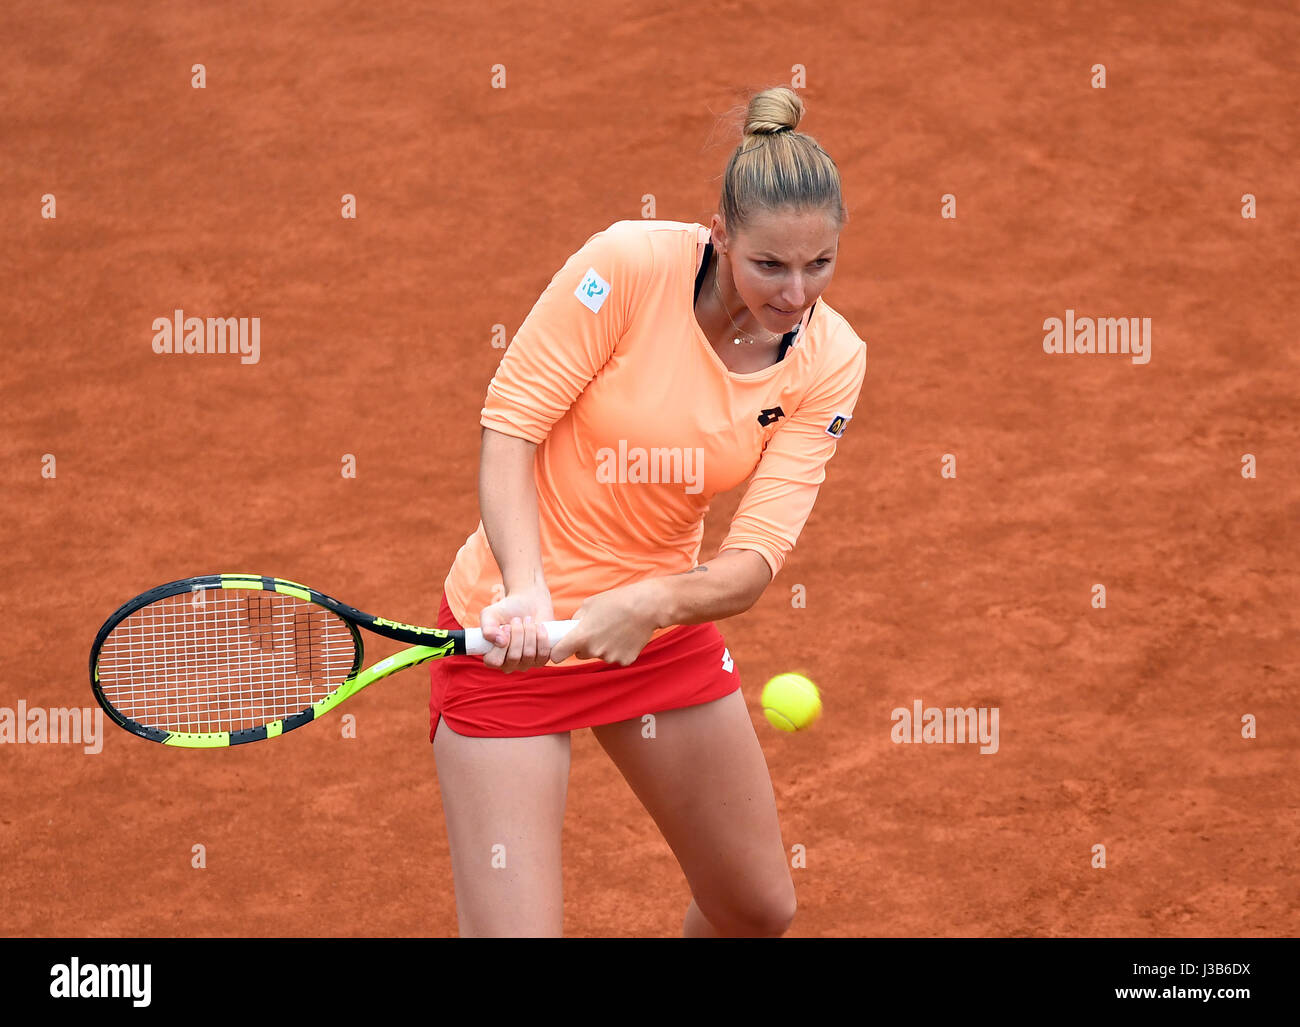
(750, 339)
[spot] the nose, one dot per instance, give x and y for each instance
(797, 299)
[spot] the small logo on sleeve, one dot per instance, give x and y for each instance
(592, 291)
(838, 423)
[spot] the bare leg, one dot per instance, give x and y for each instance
(695, 925)
(503, 799)
(705, 782)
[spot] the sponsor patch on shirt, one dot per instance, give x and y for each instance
(838, 423)
(592, 291)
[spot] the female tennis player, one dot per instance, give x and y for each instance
(666, 362)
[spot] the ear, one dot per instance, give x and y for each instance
(719, 230)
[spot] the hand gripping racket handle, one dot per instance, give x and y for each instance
(477, 645)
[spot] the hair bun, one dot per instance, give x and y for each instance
(773, 111)
(764, 174)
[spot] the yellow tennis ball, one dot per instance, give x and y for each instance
(791, 702)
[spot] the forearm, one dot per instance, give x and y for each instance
(507, 494)
(728, 584)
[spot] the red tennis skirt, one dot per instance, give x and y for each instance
(683, 667)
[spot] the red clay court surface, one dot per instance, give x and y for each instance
(1119, 727)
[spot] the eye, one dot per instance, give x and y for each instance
(820, 262)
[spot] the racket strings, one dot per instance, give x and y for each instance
(228, 660)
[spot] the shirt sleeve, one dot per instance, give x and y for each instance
(792, 468)
(570, 333)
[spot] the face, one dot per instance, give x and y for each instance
(780, 262)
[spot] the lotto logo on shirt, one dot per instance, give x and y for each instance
(592, 291)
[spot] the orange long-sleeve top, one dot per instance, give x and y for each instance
(639, 424)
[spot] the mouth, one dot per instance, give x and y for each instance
(783, 313)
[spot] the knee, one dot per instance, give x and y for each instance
(781, 915)
(776, 919)
(766, 915)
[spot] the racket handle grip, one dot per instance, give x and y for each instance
(477, 645)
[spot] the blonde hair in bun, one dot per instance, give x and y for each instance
(776, 167)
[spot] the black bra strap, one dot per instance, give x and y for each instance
(704, 269)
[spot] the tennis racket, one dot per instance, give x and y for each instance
(225, 659)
